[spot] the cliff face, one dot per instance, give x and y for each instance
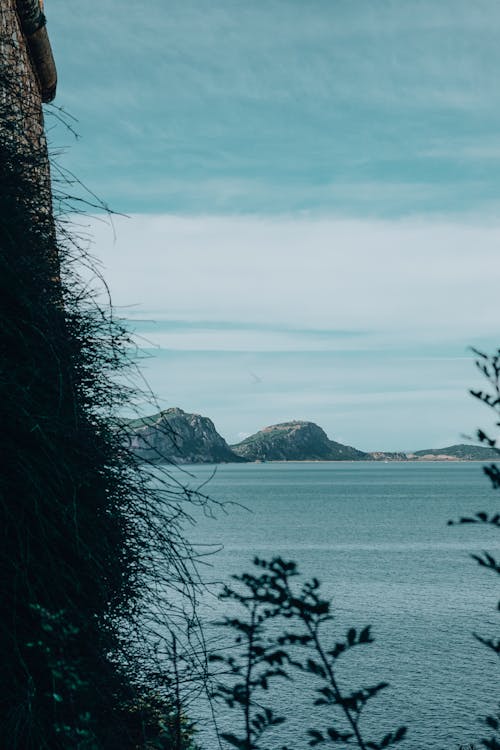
(173, 435)
(295, 441)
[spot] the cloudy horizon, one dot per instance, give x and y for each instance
(312, 196)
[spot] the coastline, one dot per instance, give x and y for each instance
(388, 461)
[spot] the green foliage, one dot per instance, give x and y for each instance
(272, 598)
(86, 542)
(489, 367)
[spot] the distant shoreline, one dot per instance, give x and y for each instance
(388, 461)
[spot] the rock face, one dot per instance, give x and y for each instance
(177, 437)
(456, 453)
(295, 441)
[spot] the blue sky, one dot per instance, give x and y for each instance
(313, 192)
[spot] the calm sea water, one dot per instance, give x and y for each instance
(376, 536)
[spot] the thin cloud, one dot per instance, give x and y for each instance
(416, 280)
(279, 107)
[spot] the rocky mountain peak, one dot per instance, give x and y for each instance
(294, 441)
(176, 436)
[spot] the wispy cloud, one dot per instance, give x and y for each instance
(282, 106)
(478, 148)
(361, 326)
(410, 280)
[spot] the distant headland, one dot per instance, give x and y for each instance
(174, 436)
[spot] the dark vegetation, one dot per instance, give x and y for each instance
(93, 560)
(272, 596)
(489, 366)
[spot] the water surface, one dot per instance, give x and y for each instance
(376, 535)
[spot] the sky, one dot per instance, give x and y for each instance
(308, 204)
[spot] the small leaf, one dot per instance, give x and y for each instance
(315, 668)
(233, 740)
(365, 636)
(386, 741)
(278, 720)
(339, 649)
(317, 737)
(376, 688)
(336, 736)
(400, 734)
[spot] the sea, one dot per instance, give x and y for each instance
(376, 535)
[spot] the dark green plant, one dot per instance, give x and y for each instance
(271, 597)
(489, 367)
(87, 540)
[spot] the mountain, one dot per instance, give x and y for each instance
(295, 441)
(175, 436)
(456, 453)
